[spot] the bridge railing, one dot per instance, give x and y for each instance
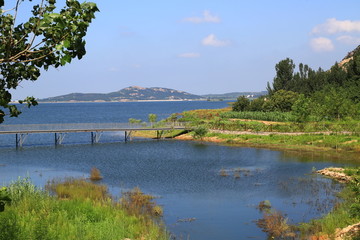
(88, 126)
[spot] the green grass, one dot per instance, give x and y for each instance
(225, 119)
(343, 142)
(34, 214)
(265, 116)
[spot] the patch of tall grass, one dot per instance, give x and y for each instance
(80, 189)
(34, 214)
(137, 203)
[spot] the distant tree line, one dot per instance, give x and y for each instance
(311, 94)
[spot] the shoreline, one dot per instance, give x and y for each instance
(304, 149)
(328, 152)
(124, 101)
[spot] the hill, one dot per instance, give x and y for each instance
(349, 56)
(133, 93)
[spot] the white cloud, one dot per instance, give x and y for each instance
(211, 40)
(189, 55)
(332, 26)
(349, 40)
(206, 17)
(321, 44)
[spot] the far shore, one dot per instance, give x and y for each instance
(128, 100)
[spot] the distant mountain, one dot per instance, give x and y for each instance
(127, 94)
(234, 95)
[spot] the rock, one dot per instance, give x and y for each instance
(335, 173)
(347, 232)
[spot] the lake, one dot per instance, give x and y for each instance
(183, 175)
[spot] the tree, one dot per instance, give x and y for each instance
(134, 121)
(241, 104)
(281, 100)
(152, 118)
(301, 108)
(47, 39)
(332, 103)
(284, 76)
(256, 105)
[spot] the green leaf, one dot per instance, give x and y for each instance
(54, 15)
(65, 59)
(67, 43)
(59, 47)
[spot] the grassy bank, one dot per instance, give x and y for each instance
(159, 134)
(80, 210)
(237, 128)
(344, 213)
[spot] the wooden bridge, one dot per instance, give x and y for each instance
(21, 131)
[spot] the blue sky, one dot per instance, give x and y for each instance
(198, 46)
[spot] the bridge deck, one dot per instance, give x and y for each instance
(86, 127)
(96, 129)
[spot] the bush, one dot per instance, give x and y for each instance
(241, 104)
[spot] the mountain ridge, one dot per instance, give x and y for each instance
(132, 93)
(136, 93)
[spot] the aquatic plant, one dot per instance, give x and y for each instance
(275, 225)
(223, 173)
(264, 206)
(81, 189)
(95, 174)
(137, 203)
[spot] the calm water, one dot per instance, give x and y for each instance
(184, 175)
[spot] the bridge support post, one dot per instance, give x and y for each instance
(20, 139)
(128, 136)
(59, 138)
(159, 134)
(95, 137)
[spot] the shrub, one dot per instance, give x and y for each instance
(241, 104)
